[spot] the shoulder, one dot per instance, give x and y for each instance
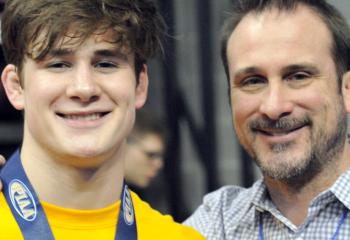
(151, 224)
(224, 195)
(215, 203)
(222, 207)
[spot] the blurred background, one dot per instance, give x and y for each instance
(188, 88)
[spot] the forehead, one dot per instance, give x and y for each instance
(74, 41)
(297, 33)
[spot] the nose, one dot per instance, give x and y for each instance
(276, 102)
(83, 87)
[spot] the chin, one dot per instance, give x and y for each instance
(87, 153)
(285, 166)
(92, 155)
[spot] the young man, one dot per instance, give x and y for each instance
(144, 154)
(287, 63)
(78, 71)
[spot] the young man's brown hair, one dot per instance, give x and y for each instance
(138, 26)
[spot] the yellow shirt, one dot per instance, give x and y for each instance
(70, 224)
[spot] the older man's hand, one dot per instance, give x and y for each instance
(2, 162)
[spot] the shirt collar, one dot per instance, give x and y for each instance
(341, 188)
(257, 199)
(245, 212)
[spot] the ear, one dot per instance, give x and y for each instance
(12, 85)
(142, 87)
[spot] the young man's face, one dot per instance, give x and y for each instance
(287, 110)
(79, 102)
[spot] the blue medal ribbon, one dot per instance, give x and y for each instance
(30, 216)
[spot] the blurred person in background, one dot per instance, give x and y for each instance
(144, 156)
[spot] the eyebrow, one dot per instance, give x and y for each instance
(301, 67)
(246, 71)
(291, 68)
(114, 52)
(111, 53)
(60, 52)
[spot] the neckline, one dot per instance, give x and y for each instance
(73, 218)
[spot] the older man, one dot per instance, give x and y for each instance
(287, 63)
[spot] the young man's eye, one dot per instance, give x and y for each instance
(58, 66)
(105, 64)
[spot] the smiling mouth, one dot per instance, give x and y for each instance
(278, 131)
(83, 117)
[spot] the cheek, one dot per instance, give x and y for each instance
(135, 157)
(242, 111)
(328, 110)
(43, 91)
(243, 108)
(120, 91)
(314, 100)
(321, 105)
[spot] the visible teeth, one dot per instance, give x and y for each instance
(278, 133)
(88, 117)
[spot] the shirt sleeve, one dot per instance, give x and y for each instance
(207, 219)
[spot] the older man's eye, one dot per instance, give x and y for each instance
(298, 76)
(252, 83)
(299, 79)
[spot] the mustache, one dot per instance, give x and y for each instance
(283, 123)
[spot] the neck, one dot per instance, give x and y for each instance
(72, 186)
(294, 202)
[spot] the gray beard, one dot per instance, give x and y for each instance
(324, 152)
